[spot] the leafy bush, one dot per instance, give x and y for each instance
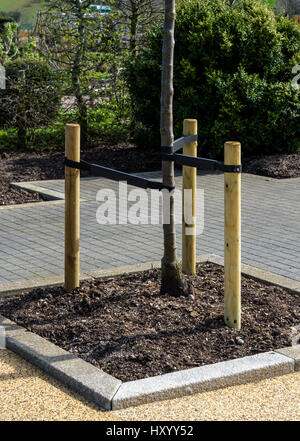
(8, 38)
(232, 71)
(7, 139)
(31, 97)
(103, 127)
(39, 139)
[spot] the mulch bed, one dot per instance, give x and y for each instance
(125, 327)
(35, 166)
(10, 196)
(276, 166)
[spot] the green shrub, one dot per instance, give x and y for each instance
(47, 138)
(31, 98)
(103, 127)
(38, 139)
(7, 139)
(232, 71)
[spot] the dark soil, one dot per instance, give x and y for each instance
(34, 166)
(9, 195)
(125, 327)
(277, 166)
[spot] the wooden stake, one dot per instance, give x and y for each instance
(232, 237)
(189, 175)
(72, 210)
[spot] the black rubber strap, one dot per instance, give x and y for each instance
(82, 165)
(201, 163)
(178, 144)
(116, 175)
(167, 150)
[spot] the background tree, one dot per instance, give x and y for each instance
(8, 39)
(137, 16)
(81, 45)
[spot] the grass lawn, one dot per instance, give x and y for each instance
(272, 3)
(28, 9)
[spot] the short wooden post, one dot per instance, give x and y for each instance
(189, 182)
(72, 210)
(232, 237)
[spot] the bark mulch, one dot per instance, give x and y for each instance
(35, 166)
(124, 326)
(276, 166)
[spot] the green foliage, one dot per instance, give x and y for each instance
(271, 3)
(8, 39)
(37, 139)
(232, 71)
(7, 139)
(86, 49)
(103, 127)
(31, 96)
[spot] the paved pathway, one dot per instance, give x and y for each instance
(31, 248)
(31, 235)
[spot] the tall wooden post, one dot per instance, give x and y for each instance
(232, 237)
(189, 182)
(72, 210)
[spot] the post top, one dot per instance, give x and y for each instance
(73, 125)
(233, 143)
(232, 153)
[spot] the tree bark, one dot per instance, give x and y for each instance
(171, 275)
(133, 27)
(22, 136)
(76, 83)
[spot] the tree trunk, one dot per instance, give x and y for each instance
(133, 27)
(22, 136)
(83, 120)
(171, 282)
(76, 80)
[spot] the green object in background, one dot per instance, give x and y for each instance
(271, 2)
(27, 8)
(232, 72)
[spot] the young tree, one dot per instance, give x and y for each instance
(171, 282)
(138, 15)
(8, 39)
(80, 43)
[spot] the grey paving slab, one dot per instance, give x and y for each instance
(32, 236)
(293, 352)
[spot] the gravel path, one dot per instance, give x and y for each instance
(26, 393)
